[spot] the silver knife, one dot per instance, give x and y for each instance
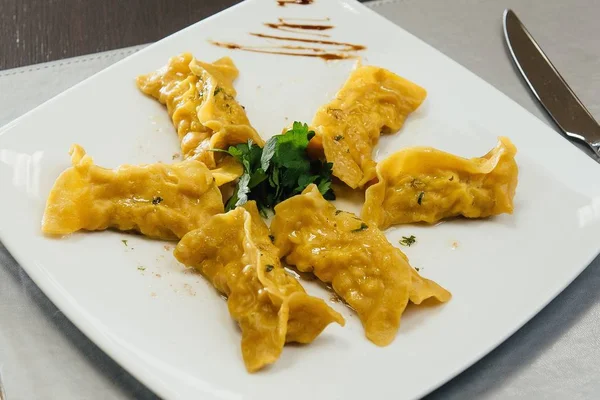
(548, 86)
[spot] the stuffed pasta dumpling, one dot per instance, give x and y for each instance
(372, 101)
(158, 200)
(200, 99)
(370, 274)
(424, 184)
(235, 253)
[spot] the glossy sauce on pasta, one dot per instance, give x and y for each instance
(234, 252)
(158, 200)
(365, 270)
(422, 184)
(371, 102)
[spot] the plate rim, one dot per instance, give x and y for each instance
(80, 319)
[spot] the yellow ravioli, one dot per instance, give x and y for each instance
(158, 200)
(425, 184)
(370, 274)
(372, 101)
(200, 99)
(422, 289)
(235, 253)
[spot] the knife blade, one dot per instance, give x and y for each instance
(548, 85)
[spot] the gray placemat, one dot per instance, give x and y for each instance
(556, 355)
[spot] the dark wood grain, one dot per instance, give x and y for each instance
(34, 31)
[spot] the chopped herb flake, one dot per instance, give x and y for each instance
(140, 268)
(157, 200)
(337, 212)
(269, 268)
(420, 198)
(408, 240)
(217, 91)
(272, 238)
(124, 242)
(362, 227)
(338, 138)
(417, 269)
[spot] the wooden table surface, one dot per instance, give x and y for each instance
(35, 31)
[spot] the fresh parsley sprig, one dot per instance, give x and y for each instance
(278, 171)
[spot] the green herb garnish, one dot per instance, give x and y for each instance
(269, 268)
(157, 200)
(338, 212)
(217, 90)
(124, 242)
(272, 238)
(338, 138)
(408, 240)
(420, 198)
(362, 227)
(278, 171)
(140, 268)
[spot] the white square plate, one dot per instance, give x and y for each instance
(171, 330)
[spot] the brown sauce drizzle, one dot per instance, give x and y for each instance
(283, 3)
(235, 46)
(348, 46)
(284, 24)
(336, 50)
(304, 33)
(316, 53)
(310, 27)
(315, 49)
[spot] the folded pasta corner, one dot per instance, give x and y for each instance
(234, 252)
